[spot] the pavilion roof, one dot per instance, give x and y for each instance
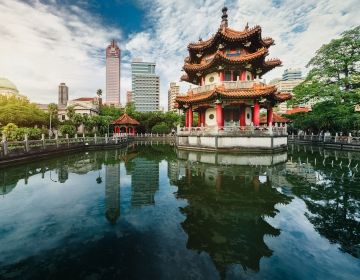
(220, 57)
(276, 119)
(231, 35)
(125, 119)
(297, 110)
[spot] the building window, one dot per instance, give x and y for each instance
(211, 116)
(63, 117)
(211, 79)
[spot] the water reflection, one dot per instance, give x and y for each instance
(202, 211)
(112, 190)
(226, 211)
(328, 182)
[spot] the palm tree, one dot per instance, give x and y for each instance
(99, 92)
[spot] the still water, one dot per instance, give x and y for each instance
(151, 212)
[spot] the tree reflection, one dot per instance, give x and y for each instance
(225, 213)
(332, 196)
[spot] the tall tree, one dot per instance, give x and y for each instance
(337, 61)
(99, 92)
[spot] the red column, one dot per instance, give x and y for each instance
(134, 130)
(231, 75)
(256, 114)
(243, 75)
(187, 118)
(190, 117)
(221, 74)
(269, 116)
(242, 115)
(219, 114)
(126, 130)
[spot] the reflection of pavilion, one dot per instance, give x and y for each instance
(145, 181)
(112, 192)
(226, 210)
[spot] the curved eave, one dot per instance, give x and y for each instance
(220, 92)
(227, 34)
(281, 97)
(219, 57)
(270, 64)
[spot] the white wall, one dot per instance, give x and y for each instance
(216, 77)
(208, 121)
(248, 112)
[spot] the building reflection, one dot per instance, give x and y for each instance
(112, 192)
(144, 181)
(226, 211)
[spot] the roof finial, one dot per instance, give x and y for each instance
(224, 20)
(247, 26)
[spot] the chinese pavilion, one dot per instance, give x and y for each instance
(125, 124)
(226, 70)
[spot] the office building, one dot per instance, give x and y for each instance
(113, 74)
(173, 91)
(145, 86)
(129, 97)
(63, 96)
(292, 74)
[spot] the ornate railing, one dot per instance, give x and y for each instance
(326, 139)
(227, 85)
(232, 131)
(18, 148)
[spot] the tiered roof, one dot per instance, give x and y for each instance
(234, 50)
(125, 119)
(219, 92)
(210, 55)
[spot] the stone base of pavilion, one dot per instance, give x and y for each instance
(227, 159)
(247, 139)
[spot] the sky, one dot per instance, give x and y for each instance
(46, 42)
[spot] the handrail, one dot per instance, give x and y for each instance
(233, 131)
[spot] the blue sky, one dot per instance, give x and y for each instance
(45, 42)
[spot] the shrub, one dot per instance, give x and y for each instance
(68, 129)
(160, 128)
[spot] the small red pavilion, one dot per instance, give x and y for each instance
(125, 124)
(226, 71)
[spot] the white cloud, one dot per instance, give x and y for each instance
(43, 45)
(177, 23)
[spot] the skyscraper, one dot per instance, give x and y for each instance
(292, 74)
(173, 91)
(113, 74)
(129, 97)
(145, 86)
(63, 95)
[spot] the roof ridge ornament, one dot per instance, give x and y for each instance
(224, 20)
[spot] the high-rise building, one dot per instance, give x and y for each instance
(129, 97)
(292, 74)
(290, 79)
(113, 74)
(145, 86)
(63, 95)
(173, 91)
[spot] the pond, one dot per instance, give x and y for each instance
(152, 212)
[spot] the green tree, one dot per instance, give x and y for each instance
(99, 93)
(70, 112)
(68, 129)
(333, 81)
(160, 128)
(18, 110)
